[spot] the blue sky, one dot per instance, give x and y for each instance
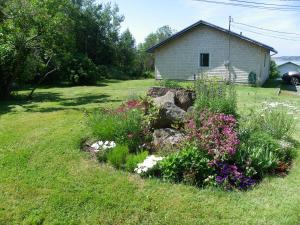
(145, 16)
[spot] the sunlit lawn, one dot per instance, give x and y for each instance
(46, 179)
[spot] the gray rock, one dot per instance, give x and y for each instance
(168, 97)
(169, 114)
(184, 98)
(155, 92)
(172, 112)
(163, 138)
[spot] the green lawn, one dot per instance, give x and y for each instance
(46, 179)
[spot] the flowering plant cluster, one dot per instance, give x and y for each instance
(148, 164)
(130, 105)
(216, 134)
(230, 176)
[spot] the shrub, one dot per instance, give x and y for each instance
(230, 176)
(263, 140)
(84, 71)
(276, 121)
(125, 126)
(274, 72)
(189, 165)
(133, 160)
(216, 96)
(104, 124)
(262, 160)
(215, 133)
(102, 156)
(131, 130)
(117, 156)
(170, 83)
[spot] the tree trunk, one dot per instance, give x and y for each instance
(39, 82)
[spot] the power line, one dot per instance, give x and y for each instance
(249, 6)
(265, 4)
(267, 35)
(274, 31)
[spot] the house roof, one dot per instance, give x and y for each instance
(294, 63)
(201, 22)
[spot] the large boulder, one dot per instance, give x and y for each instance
(169, 114)
(184, 98)
(166, 138)
(155, 92)
(168, 97)
(172, 112)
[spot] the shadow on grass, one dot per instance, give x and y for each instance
(276, 83)
(51, 97)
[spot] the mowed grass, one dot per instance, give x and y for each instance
(46, 179)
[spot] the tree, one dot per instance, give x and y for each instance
(146, 59)
(274, 72)
(33, 34)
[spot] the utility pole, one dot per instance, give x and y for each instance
(229, 48)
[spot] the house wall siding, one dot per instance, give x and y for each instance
(179, 59)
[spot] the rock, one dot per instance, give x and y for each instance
(191, 110)
(167, 137)
(155, 92)
(168, 97)
(169, 114)
(184, 98)
(172, 112)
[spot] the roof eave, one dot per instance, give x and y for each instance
(201, 22)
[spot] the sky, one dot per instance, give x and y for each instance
(145, 16)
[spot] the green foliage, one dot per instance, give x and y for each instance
(104, 125)
(170, 83)
(257, 160)
(277, 122)
(274, 72)
(132, 160)
(77, 41)
(102, 156)
(216, 96)
(146, 60)
(189, 165)
(258, 153)
(84, 71)
(117, 156)
(274, 121)
(264, 140)
(126, 127)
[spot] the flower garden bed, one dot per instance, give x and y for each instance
(195, 137)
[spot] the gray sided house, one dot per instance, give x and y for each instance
(203, 48)
(289, 67)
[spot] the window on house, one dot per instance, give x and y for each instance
(265, 60)
(204, 60)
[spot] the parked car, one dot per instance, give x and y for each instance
(291, 78)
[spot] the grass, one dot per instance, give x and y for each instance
(46, 179)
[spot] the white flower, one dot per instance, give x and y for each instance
(97, 146)
(148, 164)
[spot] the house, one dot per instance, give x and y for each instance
(204, 48)
(288, 67)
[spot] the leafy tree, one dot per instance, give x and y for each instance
(274, 72)
(146, 59)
